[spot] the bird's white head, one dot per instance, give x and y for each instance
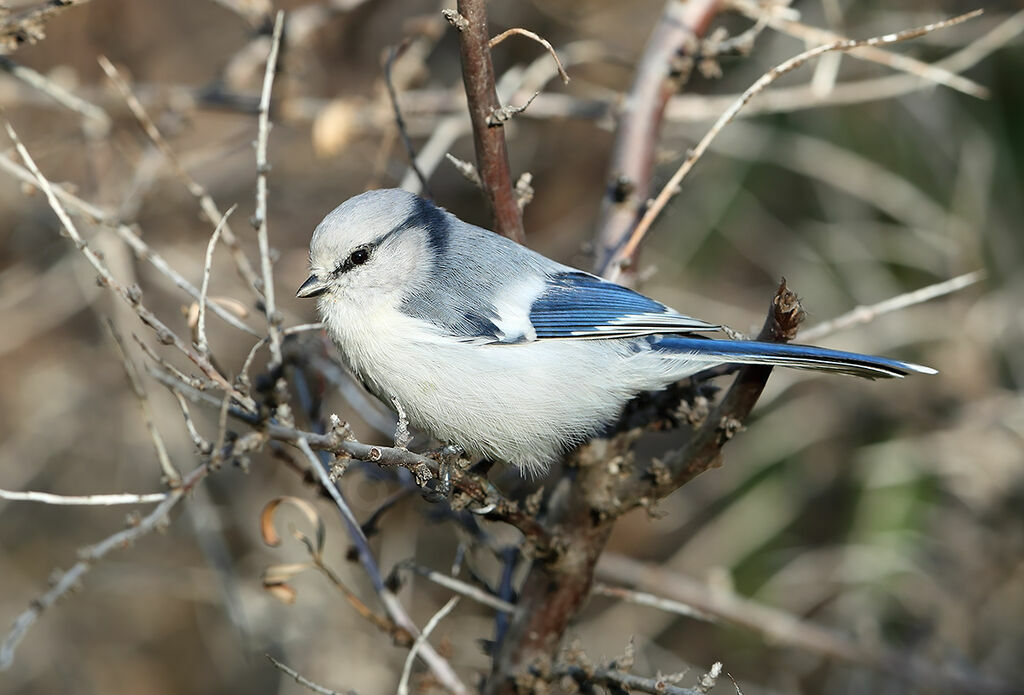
(372, 246)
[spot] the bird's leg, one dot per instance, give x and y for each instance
(440, 488)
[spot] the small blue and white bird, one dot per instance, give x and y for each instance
(493, 347)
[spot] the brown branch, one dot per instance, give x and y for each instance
(659, 75)
(488, 133)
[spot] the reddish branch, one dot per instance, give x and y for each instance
(581, 518)
(660, 74)
(488, 133)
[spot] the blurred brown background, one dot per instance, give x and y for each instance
(890, 512)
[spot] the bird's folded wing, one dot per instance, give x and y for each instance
(581, 305)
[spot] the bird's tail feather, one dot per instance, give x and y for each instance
(788, 355)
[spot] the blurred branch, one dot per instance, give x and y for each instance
(27, 24)
(171, 476)
(97, 120)
(438, 664)
(531, 35)
(403, 682)
(642, 598)
(460, 587)
(393, 53)
(143, 250)
(659, 75)
(83, 500)
(303, 681)
(625, 255)
(488, 138)
(896, 61)
(782, 628)
(206, 202)
(787, 99)
(131, 296)
(89, 556)
(260, 221)
(866, 314)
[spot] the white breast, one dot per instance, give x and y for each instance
(522, 403)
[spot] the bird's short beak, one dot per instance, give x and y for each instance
(312, 287)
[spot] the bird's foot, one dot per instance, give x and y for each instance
(440, 488)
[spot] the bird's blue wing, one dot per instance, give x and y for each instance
(580, 305)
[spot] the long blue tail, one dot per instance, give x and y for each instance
(787, 355)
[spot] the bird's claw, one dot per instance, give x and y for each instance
(440, 488)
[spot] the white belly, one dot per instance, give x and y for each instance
(522, 403)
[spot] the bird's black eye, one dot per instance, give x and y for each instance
(359, 256)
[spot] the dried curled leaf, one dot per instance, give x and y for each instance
(270, 535)
(282, 592)
(276, 577)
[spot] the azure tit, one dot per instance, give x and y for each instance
(498, 349)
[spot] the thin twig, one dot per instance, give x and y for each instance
(399, 121)
(866, 314)
(464, 588)
(303, 681)
(291, 330)
(531, 35)
(206, 202)
(133, 297)
(202, 446)
(262, 167)
(142, 250)
(97, 119)
(89, 556)
(191, 380)
(171, 475)
(438, 664)
(896, 61)
(626, 254)
(403, 682)
(641, 598)
(623, 682)
(201, 342)
(83, 500)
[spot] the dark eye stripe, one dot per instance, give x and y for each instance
(358, 257)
